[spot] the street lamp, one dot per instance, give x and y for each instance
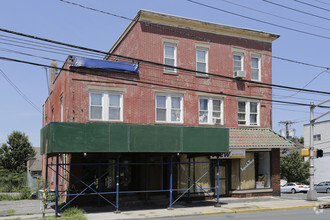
(311, 194)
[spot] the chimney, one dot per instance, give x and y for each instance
(52, 74)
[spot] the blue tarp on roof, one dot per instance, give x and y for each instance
(107, 65)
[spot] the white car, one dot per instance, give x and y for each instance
(294, 188)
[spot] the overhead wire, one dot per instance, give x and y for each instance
(162, 85)
(161, 64)
(300, 11)
(311, 5)
(184, 33)
(322, 2)
(20, 92)
(275, 15)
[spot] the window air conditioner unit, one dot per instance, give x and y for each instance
(240, 74)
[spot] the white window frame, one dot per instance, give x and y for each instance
(204, 49)
(210, 110)
(106, 105)
(168, 44)
(168, 108)
(248, 112)
(253, 56)
(241, 55)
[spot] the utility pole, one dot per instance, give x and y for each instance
(311, 194)
(287, 123)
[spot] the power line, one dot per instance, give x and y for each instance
(261, 21)
(277, 16)
(158, 84)
(187, 34)
(322, 2)
(293, 9)
(19, 91)
(311, 5)
(163, 65)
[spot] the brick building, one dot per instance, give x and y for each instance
(197, 126)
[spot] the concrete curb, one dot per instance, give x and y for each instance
(258, 210)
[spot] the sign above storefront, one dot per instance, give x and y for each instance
(232, 154)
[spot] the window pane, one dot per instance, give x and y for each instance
(114, 113)
(203, 116)
(175, 102)
(96, 112)
(201, 67)
(255, 74)
(216, 114)
(241, 117)
(169, 51)
(96, 99)
(169, 62)
(216, 121)
(203, 104)
(161, 101)
(175, 115)
(161, 114)
(253, 107)
(114, 100)
(241, 106)
(201, 56)
(255, 63)
(253, 119)
(216, 105)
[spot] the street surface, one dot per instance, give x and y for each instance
(301, 214)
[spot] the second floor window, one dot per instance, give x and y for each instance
(201, 60)
(248, 113)
(169, 57)
(238, 61)
(210, 111)
(169, 108)
(255, 68)
(105, 106)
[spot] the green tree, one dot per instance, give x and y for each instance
(16, 152)
(301, 140)
(294, 168)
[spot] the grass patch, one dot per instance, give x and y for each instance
(11, 212)
(71, 214)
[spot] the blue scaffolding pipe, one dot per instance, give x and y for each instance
(56, 188)
(171, 180)
(118, 192)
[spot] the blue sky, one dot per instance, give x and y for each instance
(56, 20)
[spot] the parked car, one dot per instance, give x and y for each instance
(323, 187)
(294, 188)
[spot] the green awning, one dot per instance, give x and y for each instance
(64, 137)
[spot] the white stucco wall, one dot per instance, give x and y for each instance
(322, 168)
(320, 128)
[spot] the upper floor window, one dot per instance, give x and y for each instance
(170, 57)
(317, 137)
(169, 108)
(106, 106)
(248, 113)
(202, 60)
(255, 68)
(210, 111)
(238, 61)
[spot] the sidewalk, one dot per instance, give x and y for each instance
(228, 206)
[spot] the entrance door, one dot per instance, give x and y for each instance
(223, 180)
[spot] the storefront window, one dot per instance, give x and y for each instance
(263, 169)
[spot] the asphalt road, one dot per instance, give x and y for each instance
(22, 207)
(303, 196)
(301, 214)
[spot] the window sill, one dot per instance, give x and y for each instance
(249, 126)
(201, 75)
(211, 125)
(101, 121)
(171, 73)
(168, 123)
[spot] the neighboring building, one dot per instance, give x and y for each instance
(136, 121)
(321, 139)
(34, 168)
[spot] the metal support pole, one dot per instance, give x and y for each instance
(56, 187)
(189, 167)
(117, 185)
(147, 178)
(98, 184)
(44, 196)
(311, 194)
(218, 181)
(171, 182)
